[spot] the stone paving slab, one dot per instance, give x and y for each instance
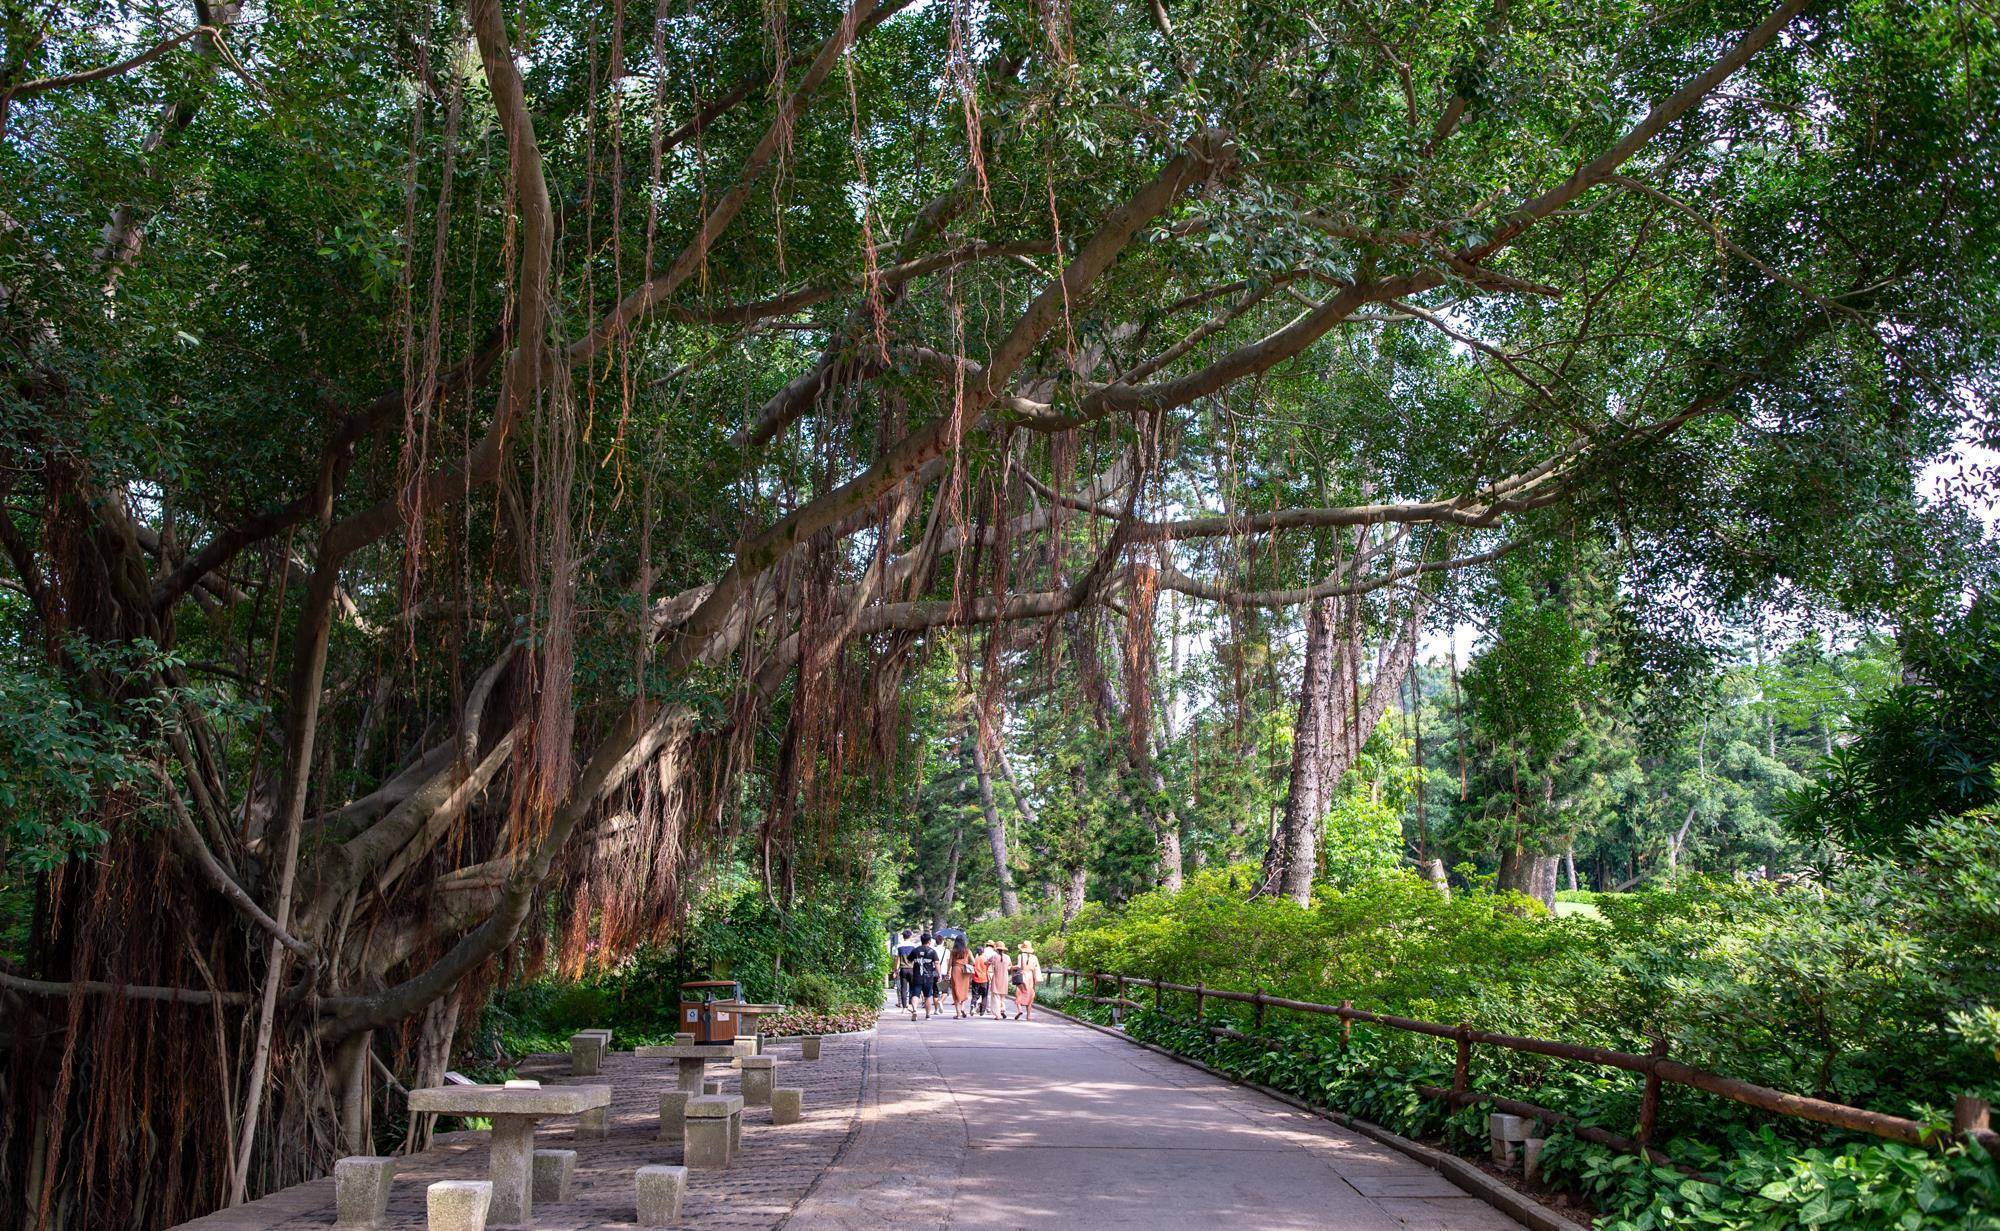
(778, 1167)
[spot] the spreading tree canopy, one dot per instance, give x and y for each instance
(463, 468)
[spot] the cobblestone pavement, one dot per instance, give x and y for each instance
(779, 1163)
(979, 1124)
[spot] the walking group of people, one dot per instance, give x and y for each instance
(982, 982)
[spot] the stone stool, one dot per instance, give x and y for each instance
(684, 1038)
(673, 1115)
(660, 1192)
(594, 1125)
(1531, 1159)
(736, 1132)
(787, 1102)
(458, 1205)
(361, 1190)
(1505, 1132)
(710, 1119)
(809, 1047)
(553, 1171)
(586, 1053)
(758, 1072)
(711, 1085)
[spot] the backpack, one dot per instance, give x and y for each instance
(924, 962)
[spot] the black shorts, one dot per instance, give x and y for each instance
(923, 985)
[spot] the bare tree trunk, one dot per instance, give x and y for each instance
(996, 832)
(950, 878)
(1569, 866)
(1293, 854)
(1073, 894)
(1433, 873)
(1679, 839)
(1334, 721)
(1530, 873)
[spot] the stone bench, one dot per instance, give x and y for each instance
(361, 1190)
(661, 1190)
(809, 1047)
(586, 1052)
(714, 1131)
(787, 1104)
(554, 1169)
(458, 1205)
(673, 1115)
(758, 1072)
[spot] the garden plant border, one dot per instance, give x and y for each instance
(1970, 1117)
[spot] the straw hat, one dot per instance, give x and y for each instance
(1027, 948)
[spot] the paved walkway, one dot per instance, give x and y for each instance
(976, 1124)
(1045, 1124)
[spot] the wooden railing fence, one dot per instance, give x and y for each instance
(1971, 1118)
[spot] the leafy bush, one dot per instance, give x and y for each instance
(812, 990)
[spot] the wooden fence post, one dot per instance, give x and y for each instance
(1156, 993)
(1461, 1069)
(1346, 1024)
(1649, 1102)
(1197, 1000)
(1259, 1002)
(1971, 1114)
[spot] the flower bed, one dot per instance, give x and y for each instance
(797, 1021)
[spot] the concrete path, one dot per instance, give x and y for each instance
(977, 1125)
(987, 1124)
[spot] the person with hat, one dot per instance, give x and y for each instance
(1026, 973)
(999, 970)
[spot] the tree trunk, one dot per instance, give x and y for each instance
(996, 832)
(1073, 894)
(1529, 873)
(1293, 854)
(1333, 722)
(950, 878)
(1432, 870)
(1569, 867)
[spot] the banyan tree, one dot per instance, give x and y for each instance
(464, 470)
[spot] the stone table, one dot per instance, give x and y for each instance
(692, 1058)
(514, 1110)
(755, 1015)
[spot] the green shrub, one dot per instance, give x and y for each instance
(812, 991)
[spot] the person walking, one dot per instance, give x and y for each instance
(999, 988)
(982, 980)
(923, 978)
(1027, 973)
(961, 976)
(906, 944)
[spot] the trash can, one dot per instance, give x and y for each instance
(701, 1015)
